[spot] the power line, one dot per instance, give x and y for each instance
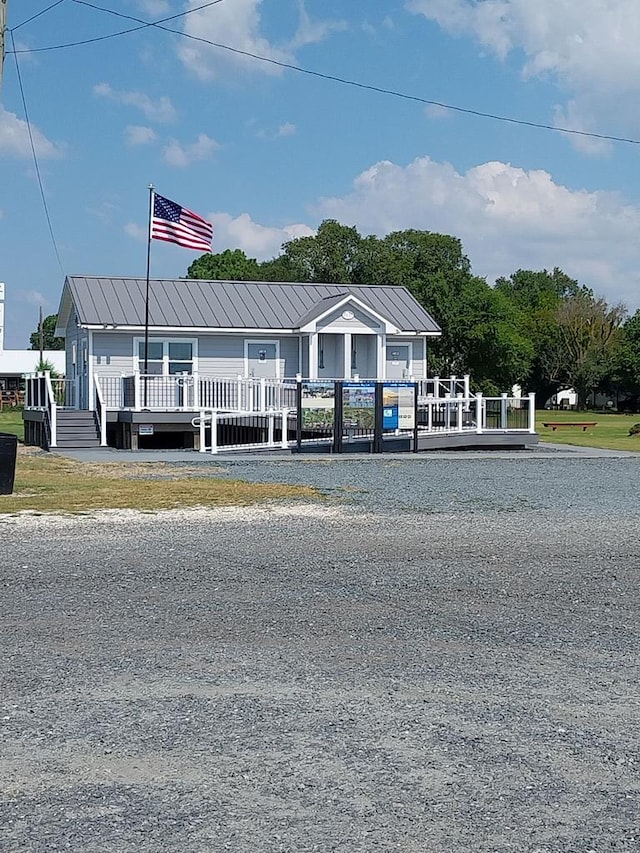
(35, 159)
(37, 15)
(143, 25)
(333, 78)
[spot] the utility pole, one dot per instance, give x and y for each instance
(41, 336)
(3, 27)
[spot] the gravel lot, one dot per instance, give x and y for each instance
(442, 655)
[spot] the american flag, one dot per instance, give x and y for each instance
(176, 224)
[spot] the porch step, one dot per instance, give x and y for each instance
(77, 429)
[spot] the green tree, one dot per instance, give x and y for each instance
(49, 341)
(538, 296)
(230, 265)
(588, 336)
(484, 330)
(331, 256)
(624, 375)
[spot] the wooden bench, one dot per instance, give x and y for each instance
(584, 424)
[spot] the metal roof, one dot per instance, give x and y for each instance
(196, 303)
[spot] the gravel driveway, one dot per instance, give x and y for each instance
(440, 656)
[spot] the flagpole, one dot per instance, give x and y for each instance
(146, 298)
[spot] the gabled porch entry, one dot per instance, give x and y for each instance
(343, 338)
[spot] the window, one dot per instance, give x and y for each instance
(180, 357)
(166, 357)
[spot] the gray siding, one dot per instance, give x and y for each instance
(221, 355)
(418, 356)
(289, 365)
(113, 353)
(217, 355)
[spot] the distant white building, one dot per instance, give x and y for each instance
(565, 399)
(15, 363)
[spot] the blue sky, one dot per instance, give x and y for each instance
(267, 153)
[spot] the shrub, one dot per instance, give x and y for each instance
(635, 430)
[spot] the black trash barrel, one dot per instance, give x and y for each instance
(8, 453)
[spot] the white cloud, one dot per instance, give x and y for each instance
(106, 211)
(31, 297)
(506, 217)
(177, 154)
(137, 232)
(155, 8)
(160, 110)
(257, 241)
(14, 138)
(287, 129)
(238, 25)
(311, 32)
(284, 130)
(589, 48)
(137, 135)
(434, 111)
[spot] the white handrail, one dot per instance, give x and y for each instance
(102, 411)
(53, 409)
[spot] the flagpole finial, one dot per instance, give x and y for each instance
(151, 187)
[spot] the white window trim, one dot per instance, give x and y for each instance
(263, 341)
(138, 366)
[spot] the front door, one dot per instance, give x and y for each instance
(397, 366)
(262, 360)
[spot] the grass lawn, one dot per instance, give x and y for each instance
(49, 483)
(53, 484)
(611, 431)
(11, 421)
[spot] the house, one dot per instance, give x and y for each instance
(225, 343)
(226, 329)
(210, 364)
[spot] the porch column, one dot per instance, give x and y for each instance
(313, 355)
(347, 355)
(381, 349)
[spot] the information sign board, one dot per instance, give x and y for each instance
(398, 405)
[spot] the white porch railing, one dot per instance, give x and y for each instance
(39, 394)
(192, 392)
(440, 387)
(477, 414)
(439, 410)
(224, 431)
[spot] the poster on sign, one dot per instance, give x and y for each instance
(359, 405)
(398, 405)
(318, 405)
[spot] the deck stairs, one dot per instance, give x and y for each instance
(76, 429)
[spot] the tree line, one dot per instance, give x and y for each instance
(541, 330)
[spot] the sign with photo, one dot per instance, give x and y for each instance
(318, 405)
(398, 405)
(359, 405)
